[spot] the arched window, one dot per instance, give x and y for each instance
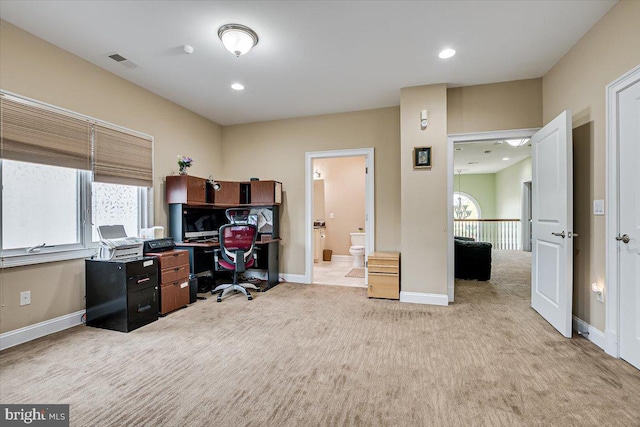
(465, 206)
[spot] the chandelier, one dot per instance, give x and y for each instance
(459, 210)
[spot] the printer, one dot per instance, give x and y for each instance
(115, 245)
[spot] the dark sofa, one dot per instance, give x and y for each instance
(472, 259)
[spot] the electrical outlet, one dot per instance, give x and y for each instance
(25, 298)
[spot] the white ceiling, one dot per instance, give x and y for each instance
(487, 156)
(314, 57)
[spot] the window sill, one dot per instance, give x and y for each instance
(41, 258)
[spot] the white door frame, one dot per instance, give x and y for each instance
(469, 137)
(525, 225)
(612, 304)
(369, 203)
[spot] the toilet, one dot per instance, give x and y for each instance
(357, 249)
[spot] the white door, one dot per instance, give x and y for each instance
(629, 217)
(552, 226)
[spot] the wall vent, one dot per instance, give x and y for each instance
(122, 60)
(117, 57)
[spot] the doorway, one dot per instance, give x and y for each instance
(314, 164)
(476, 159)
(622, 233)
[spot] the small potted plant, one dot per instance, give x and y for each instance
(184, 162)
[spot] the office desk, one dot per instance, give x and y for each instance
(201, 258)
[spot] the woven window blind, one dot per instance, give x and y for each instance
(35, 134)
(122, 158)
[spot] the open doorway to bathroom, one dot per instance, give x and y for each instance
(339, 215)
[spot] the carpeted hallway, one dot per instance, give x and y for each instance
(320, 355)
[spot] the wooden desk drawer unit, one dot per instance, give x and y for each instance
(384, 275)
(174, 279)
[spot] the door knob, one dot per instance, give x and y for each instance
(559, 234)
(624, 238)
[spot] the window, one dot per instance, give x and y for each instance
(465, 207)
(62, 175)
(40, 205)
(117, 204)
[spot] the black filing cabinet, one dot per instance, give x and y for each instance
(122, 295)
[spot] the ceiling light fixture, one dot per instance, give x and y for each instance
(447, 53)
(237, 86)
(237, 38)
(505, 158)
(517, 142)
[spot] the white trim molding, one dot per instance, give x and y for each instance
(295, 278)
(31, 332)
(612, 205)
(422, 298)
(594, 335)
(469, 137)
(370, 222)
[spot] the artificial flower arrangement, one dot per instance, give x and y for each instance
(184, 162)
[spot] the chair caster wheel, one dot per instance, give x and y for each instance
(249, 297)
(219, 299)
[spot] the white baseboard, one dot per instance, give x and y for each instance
(295, 278)
(421, 298)
(342, 258)
(594, 335)
(31, 332)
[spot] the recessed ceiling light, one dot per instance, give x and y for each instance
(505, 158)
(517, 142)
(447, 53)
(237, 86)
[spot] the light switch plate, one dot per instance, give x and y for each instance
(598, 207)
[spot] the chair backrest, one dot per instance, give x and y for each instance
(241, 216)
(237, 215)
(237, 237)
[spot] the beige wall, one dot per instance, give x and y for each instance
(318, 199)
(509, 189)
(578, 82)
(497, 106)
(482, 187)
(276, 150)
(344, 191)
(424, 192)
(34, 68)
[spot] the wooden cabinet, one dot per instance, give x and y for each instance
(384, 275)
(266, 192)
(187, 189)
(191, 190)
(174, 279)
(229, 193)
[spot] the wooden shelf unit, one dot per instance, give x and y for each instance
(384, 275)
(191, 190)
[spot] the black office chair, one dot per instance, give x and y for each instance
(237, 242)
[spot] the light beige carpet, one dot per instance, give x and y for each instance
(356, 272)
(305, 355)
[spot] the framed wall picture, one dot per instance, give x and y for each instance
(422, 157)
